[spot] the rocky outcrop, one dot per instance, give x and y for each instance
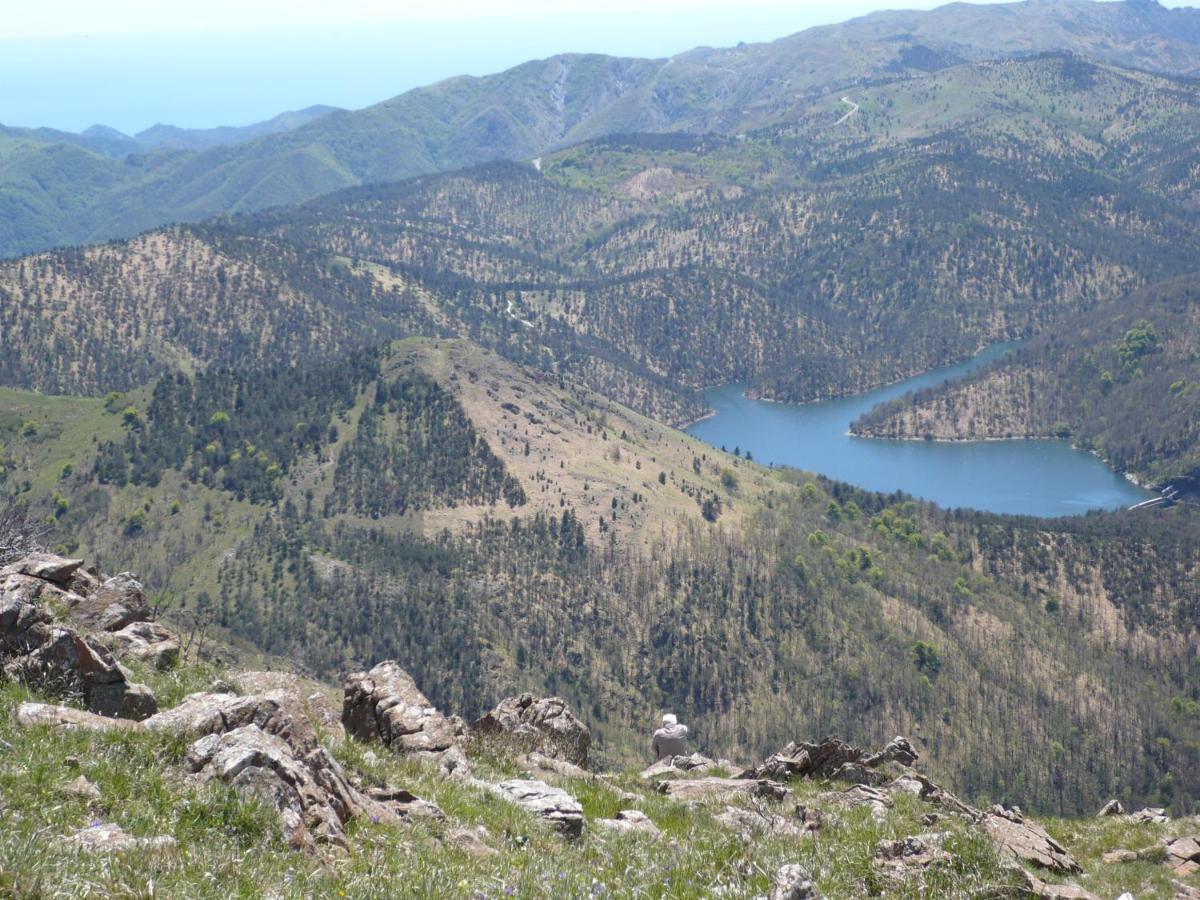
(1027, 840)
(751, 823)
(629, 821)
(1151, 815)
(54, 659)
(792, 882)
(911, 855)
(312, 796)
(273, 713)
(1111, 808)
(695, 763)
(147, 642)
(1037, 889)
(923, 788)
(117, 603)
(320, 706)
(692, 789)
(1183, 856)
(385, 705)
(545, 724)
(834, 760)
(551, 804)
(110, 838)
(47, 715)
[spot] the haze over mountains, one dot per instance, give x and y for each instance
(54, 193)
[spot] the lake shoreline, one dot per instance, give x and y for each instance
(1034, 475)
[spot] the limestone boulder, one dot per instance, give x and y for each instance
(1027, 841)
(550, 804)
(386, 705)
(792, 882)
(1111, 808)
(46, 715)
(697, 789)
(309, 791)
(1183, 856)
(833, 759)
(629, 821)
(147, 642)
(112, 839)
(546, 724)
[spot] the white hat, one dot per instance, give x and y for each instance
(669, 719)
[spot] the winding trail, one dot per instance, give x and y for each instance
(512, 315)
(853, 109)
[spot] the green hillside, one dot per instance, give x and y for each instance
(539, 106)
(522, 532)
(979, 204)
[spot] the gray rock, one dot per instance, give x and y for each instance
(56, 660)
(544, 724)
(752, 822)
(1151, 815)
(862, 795)
(792, 882)
(385, 704)
(552, 804)
(695, 789)
(629, 821)
(832, 759)
(274, 713)
(1043, 890)
(1111, 808)
(45, 566)
(46, 715)
(147, 642)
(310, 792)
(1183, 856)
(1027, 840)
(120, 601)
(110, 838)
(902, 858)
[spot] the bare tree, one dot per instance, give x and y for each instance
(20, 535)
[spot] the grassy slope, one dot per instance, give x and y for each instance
(228, 844)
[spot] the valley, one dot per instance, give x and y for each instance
(647, 385)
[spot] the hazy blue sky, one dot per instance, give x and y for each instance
(198, 63)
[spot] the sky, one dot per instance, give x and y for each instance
(129, 64)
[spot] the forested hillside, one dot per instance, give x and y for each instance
(979, 204)
(65, 189)
(1122, 380)
(520, 532)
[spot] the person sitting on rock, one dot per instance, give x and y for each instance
(670, 740)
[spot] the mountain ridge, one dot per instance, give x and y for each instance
(540, 105)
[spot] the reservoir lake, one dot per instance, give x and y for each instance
(1026, 477)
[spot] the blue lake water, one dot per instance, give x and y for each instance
(1028, 477)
